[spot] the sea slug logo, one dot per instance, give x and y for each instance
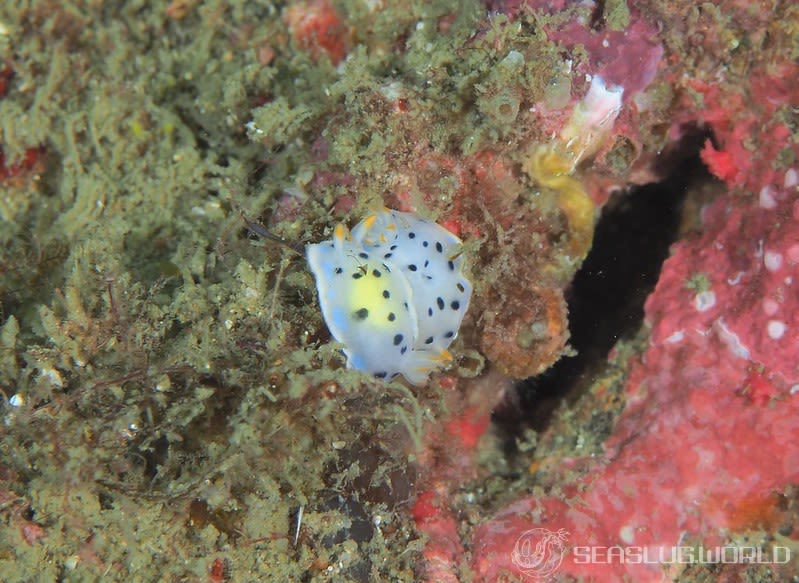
(539, 551)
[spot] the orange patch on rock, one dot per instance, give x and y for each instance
(315, 26)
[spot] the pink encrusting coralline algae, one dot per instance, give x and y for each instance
(708, 440)
(706, 450)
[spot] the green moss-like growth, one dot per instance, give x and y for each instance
(165, 402)
(171, 402)
(617, 14)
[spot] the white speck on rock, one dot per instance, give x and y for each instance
(767, 200)
(772, 260)
(775, 329)
(705, 300)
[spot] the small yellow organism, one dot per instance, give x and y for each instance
(553, 165)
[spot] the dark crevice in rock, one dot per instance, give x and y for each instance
(607, 295)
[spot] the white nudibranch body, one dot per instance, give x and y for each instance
(393, 292)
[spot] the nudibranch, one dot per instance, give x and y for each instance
(393, 292)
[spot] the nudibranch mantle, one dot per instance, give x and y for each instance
(393, 292)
